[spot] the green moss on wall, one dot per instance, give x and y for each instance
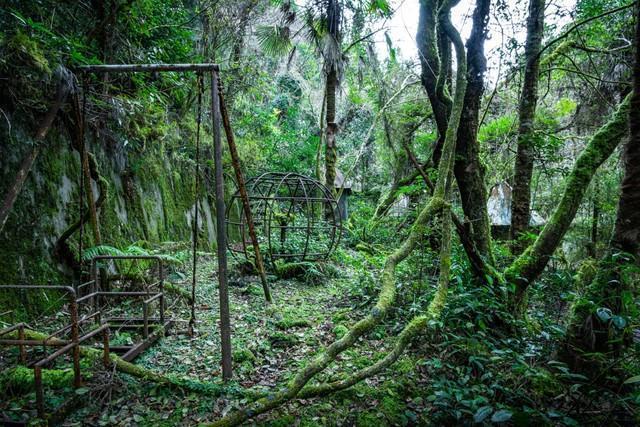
(150, 196)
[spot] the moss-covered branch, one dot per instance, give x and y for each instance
(95, 355)
(415, 327)
(386, 298)
(617, 271)
(528, 266)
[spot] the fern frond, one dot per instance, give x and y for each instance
(136, 250)
(90, 253)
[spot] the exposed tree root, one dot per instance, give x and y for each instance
(61, 249)
(416, 326)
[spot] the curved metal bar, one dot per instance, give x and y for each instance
(270, 219)
(309, 222)
(270, 191)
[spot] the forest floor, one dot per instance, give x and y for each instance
(464, 371)
(269, 343)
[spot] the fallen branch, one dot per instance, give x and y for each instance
(416, 326)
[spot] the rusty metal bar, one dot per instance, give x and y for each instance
(161, 274)
(106, 359)
(297, 199)
(235, 162)
(145, 344)
(10, 329)
(59, 352)
(57, 343)
(111, 320)
(221, 236)
(67, 289)
(111, 257)
(37, 381)
(23, 352)
(116, 294)
(145, 317)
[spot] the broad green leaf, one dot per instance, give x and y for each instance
(632, 380)
(501, 416)
(619, 322)
(482, 413)
(604, 314)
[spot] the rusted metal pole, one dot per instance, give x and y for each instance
(223, 291)
(235, 161)
(105, 347)
(37, 382)
(77, 378)
(23, 353)
(194, 277)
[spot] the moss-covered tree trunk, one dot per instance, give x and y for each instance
(520, 202)
(331, 67)
(626, 235)
(588, 332)
(528, 266)
(427, 41)
(469, 171)
(331, 151)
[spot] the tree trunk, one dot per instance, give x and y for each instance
(331, 152)
(626, 235)
(430, 67)
(244, 12)
(520, 213)
(528, 266)
(469, 171)
(587, 332)
(595, 216)
(438, 204)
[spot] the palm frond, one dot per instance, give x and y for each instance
(315, 27)
(274, 40)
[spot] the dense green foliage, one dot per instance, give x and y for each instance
(465, 354)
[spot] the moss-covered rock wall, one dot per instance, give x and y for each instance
(150, 195)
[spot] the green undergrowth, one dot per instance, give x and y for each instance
(477, 364)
